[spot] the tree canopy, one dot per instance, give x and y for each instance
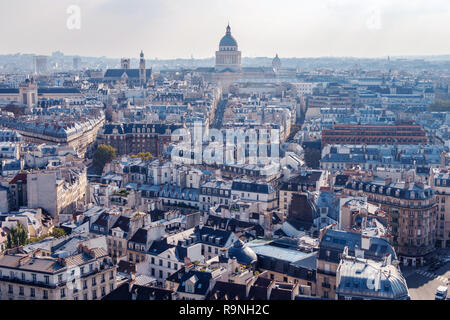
(18, 236)
(440, 106)
(102, 155)
(142, 155)
(58, 233)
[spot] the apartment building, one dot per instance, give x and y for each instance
(305, 181)
(374, 134)
(57, 191)
(213, 240)
(411, 209)
(365, 279)
(331, 247)
(255, 191)
(440, 181)
(86, 275)
(133, 138)
(118, 227)
(286, 262)
(168, 255)
(213, 193)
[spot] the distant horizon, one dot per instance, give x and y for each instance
(136, 57)
(169, 29)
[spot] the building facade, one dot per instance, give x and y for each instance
(134, 138)
(228, 56)
(87, 275)
(374, 134)
(411, 209)
(440, 181)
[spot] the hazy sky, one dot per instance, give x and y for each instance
(181, 28)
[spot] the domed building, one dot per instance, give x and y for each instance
(243, 254)
(228, 58)
(276, 63)
(228, 68)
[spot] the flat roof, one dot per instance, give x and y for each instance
(265, 249)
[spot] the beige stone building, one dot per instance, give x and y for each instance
(28, 93)
(57, 191)
(411, 209)
(87, 275)
(440, 181)
(228, 58)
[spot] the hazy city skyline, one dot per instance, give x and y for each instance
(181, 29)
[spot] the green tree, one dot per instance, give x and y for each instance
(440, 106)
(18, 236)
(142, 155)
(102, 155)
(58, 233)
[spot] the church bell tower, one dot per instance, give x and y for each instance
(142, 71)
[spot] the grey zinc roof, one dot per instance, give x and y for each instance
(267, 250)
(335, 241)
(175, 192)
(251, 186)
(357, 278)
(228, 41)
(405, 191)
(131, 73)
(243, 254)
